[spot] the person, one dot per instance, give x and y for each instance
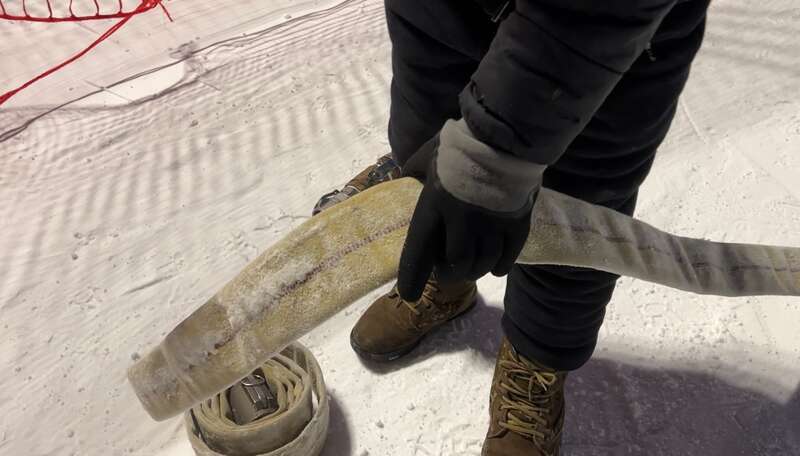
(490, 100)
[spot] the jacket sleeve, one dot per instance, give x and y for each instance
(549, 68)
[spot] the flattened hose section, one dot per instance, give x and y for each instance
(298, 428)
(345, 252)
(568, 231)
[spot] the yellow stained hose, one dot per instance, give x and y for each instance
(336, 257)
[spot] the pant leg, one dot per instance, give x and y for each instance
(436, 46)
(553, 313)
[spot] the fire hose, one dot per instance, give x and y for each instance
(337, 257)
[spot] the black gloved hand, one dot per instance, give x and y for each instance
(460, 240)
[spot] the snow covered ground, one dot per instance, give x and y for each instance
(122, 211)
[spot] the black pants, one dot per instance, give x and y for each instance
(552, 313)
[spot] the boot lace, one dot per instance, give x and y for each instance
(384, 170)
(527, 399)
(425, 302)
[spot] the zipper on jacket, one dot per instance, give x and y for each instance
(501, 12)
(650, 54)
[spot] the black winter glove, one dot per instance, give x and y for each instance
(461, 240)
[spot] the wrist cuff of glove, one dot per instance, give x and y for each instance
(475, 173)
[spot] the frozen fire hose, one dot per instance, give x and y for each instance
(334, 258)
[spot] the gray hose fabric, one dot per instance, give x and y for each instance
(340, 255)
(298, 428)
(571, 232)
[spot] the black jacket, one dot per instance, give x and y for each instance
(549, 66)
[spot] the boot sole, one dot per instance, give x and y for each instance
(393, 355)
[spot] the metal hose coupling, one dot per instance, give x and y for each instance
(281, 409)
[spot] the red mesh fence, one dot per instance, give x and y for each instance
(18, 10)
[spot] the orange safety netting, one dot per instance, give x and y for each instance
(124, 15)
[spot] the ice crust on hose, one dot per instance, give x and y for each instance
(316, 270)
(263, 294)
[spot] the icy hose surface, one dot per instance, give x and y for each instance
(333, 259)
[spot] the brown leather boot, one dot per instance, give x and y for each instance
(391, 327)
(526, 406)
(383, 170)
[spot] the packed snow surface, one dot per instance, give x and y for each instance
(138, 181)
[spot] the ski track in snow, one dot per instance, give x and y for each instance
(123, 212)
